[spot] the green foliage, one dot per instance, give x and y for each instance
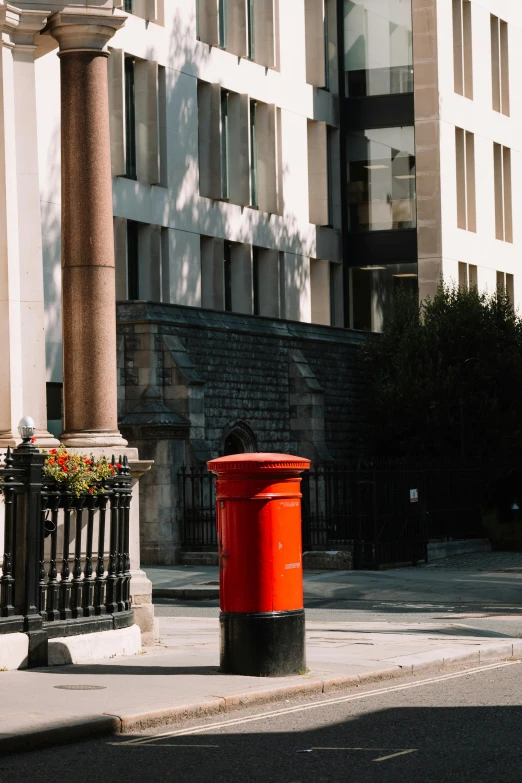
(445, 372)
(78, 474)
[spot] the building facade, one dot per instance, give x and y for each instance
(274, 170)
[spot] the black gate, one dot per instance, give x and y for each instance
(384, 510)
(380, 511)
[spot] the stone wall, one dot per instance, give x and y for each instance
(189, 377)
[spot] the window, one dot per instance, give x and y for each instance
(467, 276)
(499, 65)
(251, 49)
(225, 146)
(378, 53)
(227, 272)
(54, 394)
(222, 23)
(225, 158)
(381, 179)
(462, 48)
(503, 208)
(150, 10)
(465, 171)
(326, 47)
(132, 260)
(255, 279)
(373, 290)
(130, 119)
(506, 284)
(253, 156)
(245, 28)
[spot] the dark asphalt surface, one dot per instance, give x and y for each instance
(468, 728)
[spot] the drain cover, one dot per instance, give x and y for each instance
(80, 687)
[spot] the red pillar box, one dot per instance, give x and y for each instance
(258, 518)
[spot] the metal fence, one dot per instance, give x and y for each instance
(385, 510)
(198, 508)
(388, 509)
(65, 559)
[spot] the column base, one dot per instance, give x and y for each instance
(263, 644)
(43, 440)
(96, 439)
(141, 597)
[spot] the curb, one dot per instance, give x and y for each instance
(111, 725)
(191, 593)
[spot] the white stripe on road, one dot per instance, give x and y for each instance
(394, 755)
(303, 707)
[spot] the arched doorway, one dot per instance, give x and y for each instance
(238, 438)
(233, 445)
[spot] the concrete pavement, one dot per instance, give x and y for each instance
(179, 679)
(485, 578)
(405, 621)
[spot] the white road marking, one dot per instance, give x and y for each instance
(316, 705)
(394, 755)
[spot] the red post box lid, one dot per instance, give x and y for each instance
(258, 462)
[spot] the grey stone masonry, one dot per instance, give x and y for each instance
(295, 387)
(191, 378)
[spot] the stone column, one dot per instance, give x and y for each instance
(88, 275)
(22, 340)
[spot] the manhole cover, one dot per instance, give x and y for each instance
(80, 687)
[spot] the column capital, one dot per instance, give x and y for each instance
(84, 31)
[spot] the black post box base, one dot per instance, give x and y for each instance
(263, 644)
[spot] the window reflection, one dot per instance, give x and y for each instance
(373, 290)
(377, 47)
(381, 179)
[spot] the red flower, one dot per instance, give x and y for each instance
(33, 440)
(65, 470)
(75, 467)
(91, 490)
(119, 465)
(51, 462)
(53, 451)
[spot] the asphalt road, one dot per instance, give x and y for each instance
(462, 726)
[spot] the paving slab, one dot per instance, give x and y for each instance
(179, 679)
(484, 578)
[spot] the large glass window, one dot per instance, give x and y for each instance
(130, 120)
(225, 146)
(381, 179)
(377, 47)
(373, 290)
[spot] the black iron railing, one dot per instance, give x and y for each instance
(198, 507)
(385, 510)
(66, 560)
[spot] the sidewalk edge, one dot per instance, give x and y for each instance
(110, 724)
